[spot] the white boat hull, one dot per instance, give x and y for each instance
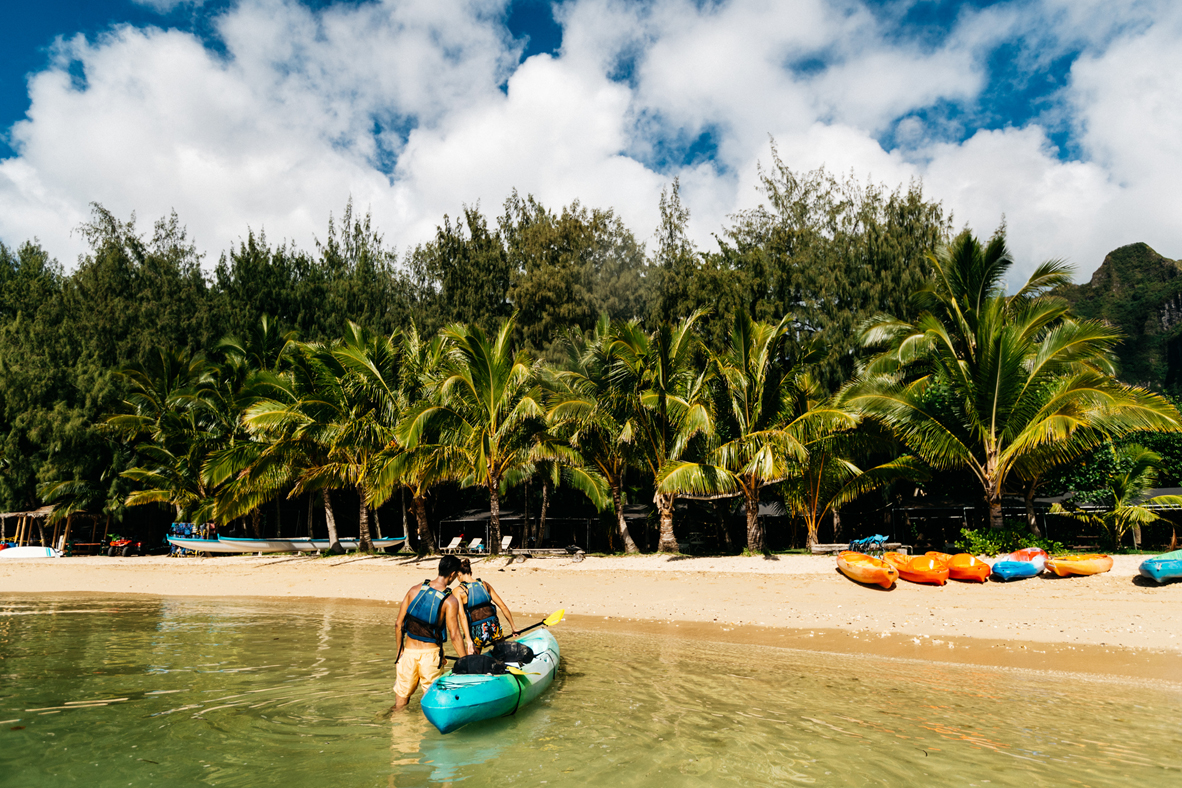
(233, 545)
(30, 552)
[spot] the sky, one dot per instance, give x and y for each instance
(1062, 116)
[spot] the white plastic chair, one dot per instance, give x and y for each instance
(475, 546)
(452, 547)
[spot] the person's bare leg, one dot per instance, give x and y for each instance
(400, 703)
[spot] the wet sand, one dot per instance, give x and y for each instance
(1113, 624)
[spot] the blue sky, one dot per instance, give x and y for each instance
(269, 114)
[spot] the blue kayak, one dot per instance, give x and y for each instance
(453, 701)
(1014, 570)
(1164, 567)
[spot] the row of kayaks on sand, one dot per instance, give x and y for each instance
(937, 568)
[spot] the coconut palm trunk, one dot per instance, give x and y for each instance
(755, 536)
(667, 542)
(427, 543)
(494, 521)
(545, 508)
(1031, 517)
(364, 543)
(330, 521)
(630, 547)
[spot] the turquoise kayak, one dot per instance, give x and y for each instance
(1164, 567)
(1014, 570)
(454, 701)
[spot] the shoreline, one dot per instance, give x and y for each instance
(1108, 625)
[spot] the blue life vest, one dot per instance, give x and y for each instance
(483, 624)
(424, 616)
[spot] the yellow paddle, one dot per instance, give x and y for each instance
(519, 672)
(548, 621)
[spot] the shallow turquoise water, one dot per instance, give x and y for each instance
(210, 692)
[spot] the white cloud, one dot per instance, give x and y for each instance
(417, 107)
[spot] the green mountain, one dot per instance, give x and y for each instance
(1139, 292)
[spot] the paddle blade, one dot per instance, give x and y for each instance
(555, 617)
(519, 672)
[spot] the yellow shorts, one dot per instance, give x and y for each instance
(415, 665)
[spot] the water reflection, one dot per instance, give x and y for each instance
(208, 692)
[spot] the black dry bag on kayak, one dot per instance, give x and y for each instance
(512, 651)
(478, 665)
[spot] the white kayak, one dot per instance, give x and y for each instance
(453, 701)
(228, 544)
(30, 552)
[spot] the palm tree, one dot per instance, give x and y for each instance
(300, 432)
(833, 475)
(985, 381)
(756, 443)
(667, 394)
(165, 414)
(487, 409)
(590, 410)
(1126, 493)
(426, 463)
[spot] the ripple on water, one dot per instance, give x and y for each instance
(205, 692)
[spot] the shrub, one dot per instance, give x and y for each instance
(990, 542)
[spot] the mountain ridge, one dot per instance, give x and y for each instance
(1139, 291)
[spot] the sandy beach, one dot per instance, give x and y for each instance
(1113, 624)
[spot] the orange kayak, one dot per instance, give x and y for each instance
(919, 569)
(866, 569)
(1065, 565)
(963, 566)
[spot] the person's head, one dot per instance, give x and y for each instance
(449, 568)
(465, 567)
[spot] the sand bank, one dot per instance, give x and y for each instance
(1112, 623)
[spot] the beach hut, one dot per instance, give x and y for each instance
(24, 526)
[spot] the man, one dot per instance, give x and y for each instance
(427, 616)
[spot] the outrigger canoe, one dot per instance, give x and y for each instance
(227, 544)
(964, 566)
(1065, 565)
(454, 701)
(1164, 567)
(866, 569)
(919, 568)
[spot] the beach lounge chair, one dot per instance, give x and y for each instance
(452, 547)
(475, 546)
(505, 542)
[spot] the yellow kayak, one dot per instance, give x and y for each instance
(866, 569)
(1065, 565)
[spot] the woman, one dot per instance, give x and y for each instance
(481, 604)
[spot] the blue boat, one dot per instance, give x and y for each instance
(1163, 568)
(1014, 570)
(454, 701)
(228, 544)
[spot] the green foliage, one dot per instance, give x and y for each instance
(1008, 387)
(139, 377)
(1136, 290)
(1014, 536)
(828, 253)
